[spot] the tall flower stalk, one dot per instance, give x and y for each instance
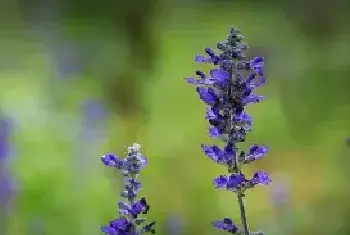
(129, 222)
(226, 92)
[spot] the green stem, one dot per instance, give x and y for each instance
(242, 207)
(243, 216)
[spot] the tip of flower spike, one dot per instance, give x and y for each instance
(135, 148)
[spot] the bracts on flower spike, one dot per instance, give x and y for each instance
(227, 91)
(129, 222)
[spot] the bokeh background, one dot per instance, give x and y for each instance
(79, 79)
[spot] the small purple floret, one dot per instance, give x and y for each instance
(260, 177)
(226, 224)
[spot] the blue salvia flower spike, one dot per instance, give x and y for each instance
(227, 90)
(129, 222)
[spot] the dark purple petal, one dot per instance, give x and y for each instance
(257, 64)
(221, 181)
(230, 151)
(260, 177)
(244, 120)
(192, 81)
(256, 152)
(111, 160)
(210, 52)
(202, 81)
(253, 83)
(219, 76)
(117, 227)
(262, 81)
(250, 78)
(235, 181)
(214, 153)
(243, 117)
(226, 224)
(202, 59)
(252, 98)
(108, 230)
(124, 208)
(207, 95)
(139, 207)
(211, 113)
(214, 132)
(121, 223)
(205, 81)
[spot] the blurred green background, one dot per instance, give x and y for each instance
(80, 79)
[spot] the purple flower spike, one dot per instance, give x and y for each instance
(130, 222)
(227, 92)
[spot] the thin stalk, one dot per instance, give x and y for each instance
(241, 205)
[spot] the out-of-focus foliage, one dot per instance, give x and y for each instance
(51, 65)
